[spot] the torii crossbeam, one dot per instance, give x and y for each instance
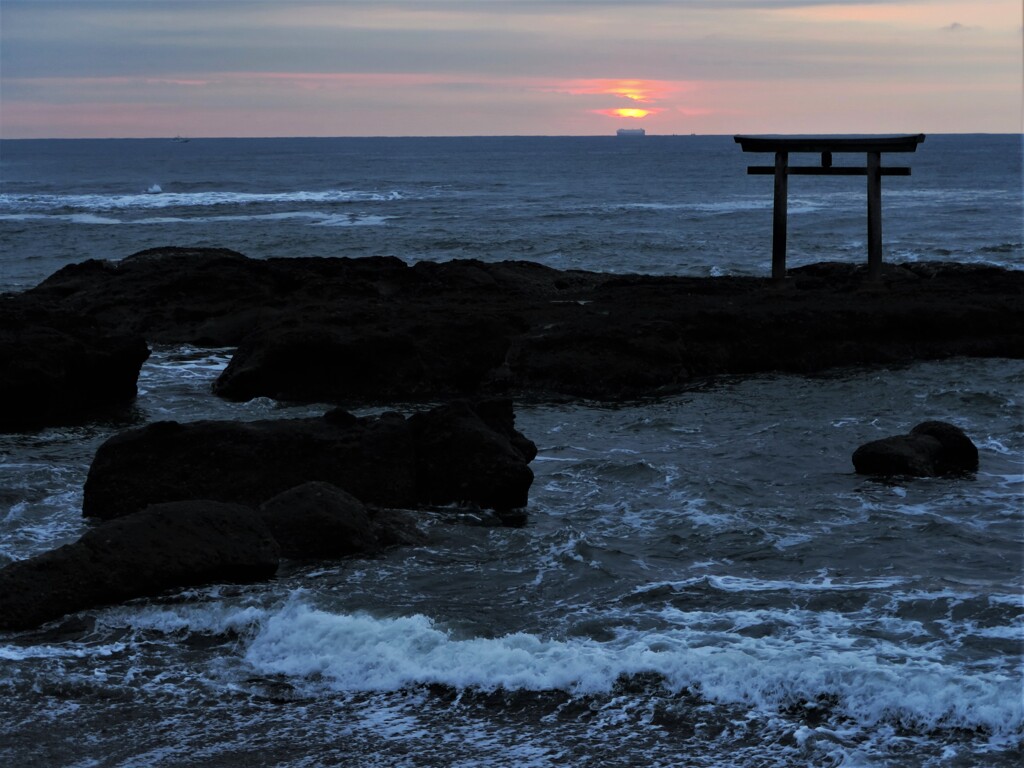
(874, 146)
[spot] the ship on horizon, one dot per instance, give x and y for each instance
(631, 132)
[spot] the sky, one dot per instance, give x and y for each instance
(141, 68)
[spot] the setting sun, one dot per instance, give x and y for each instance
(625, 112)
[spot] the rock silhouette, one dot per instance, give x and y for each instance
(463, 453)
(162, 547)
(378, 330)
(931, 449)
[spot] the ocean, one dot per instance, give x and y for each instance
(703, 580)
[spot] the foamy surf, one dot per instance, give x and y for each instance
(871, 683)
(156, 197)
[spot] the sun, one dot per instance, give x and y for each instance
(632, 112)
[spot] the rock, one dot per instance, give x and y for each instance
(350, 331)
(162, 547)
(319, 520)
(50, 376)
(397, 527)
(187, 295)
(957, 453)
(933, 448)
(374, 459)
(460, 453)
(325, 362)
(472, 455)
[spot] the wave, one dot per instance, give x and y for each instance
(872, 683)
(25, 653)
(795, 205)
(317, 218)
(155, 197)
(739, 584)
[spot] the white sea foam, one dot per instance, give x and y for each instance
(90, 218)
(723, 207)
(213, 618)
(155, 197)
(24, 653)
(825, 583)
(872, 682)
(316, 218)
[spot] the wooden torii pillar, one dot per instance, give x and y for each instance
(826, 145)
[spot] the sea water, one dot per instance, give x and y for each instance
(656, 204)
(703, 581)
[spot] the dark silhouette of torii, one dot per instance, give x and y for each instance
(826, 145)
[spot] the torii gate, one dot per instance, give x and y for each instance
(826, 145)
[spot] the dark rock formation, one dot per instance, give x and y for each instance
(472, 453)
(385, 460)
(379, 330)
(162, 547)
(319, 520)
(50, 375)
(932, 448)
(355, 363)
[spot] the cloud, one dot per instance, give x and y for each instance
(630, 112)
(530, 66)
(641, 91)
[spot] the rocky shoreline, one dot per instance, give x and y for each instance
(468, 334)
(377, 330)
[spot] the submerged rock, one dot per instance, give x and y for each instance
(161, 547)
(460, 453)
(931, 449)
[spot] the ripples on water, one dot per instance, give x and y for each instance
(665, 205)
(703, 581)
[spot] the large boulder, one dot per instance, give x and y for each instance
(51, 376)
(162, 547)
(460, 453)
(475, 454)
(319, 520)
(931, 449)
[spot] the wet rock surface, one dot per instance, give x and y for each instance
(317, 520)
(931, 449)
(378, 330)
(53, 373)
(463, 453)
(162, 547)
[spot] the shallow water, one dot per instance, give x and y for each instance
(703, 581)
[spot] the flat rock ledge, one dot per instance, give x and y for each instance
(379, 330)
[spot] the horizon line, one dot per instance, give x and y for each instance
(186, 139)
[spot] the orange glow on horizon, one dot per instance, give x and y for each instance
(632, 112)
(641, 91)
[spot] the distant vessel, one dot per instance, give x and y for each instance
(180, 139)
(631, 132)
